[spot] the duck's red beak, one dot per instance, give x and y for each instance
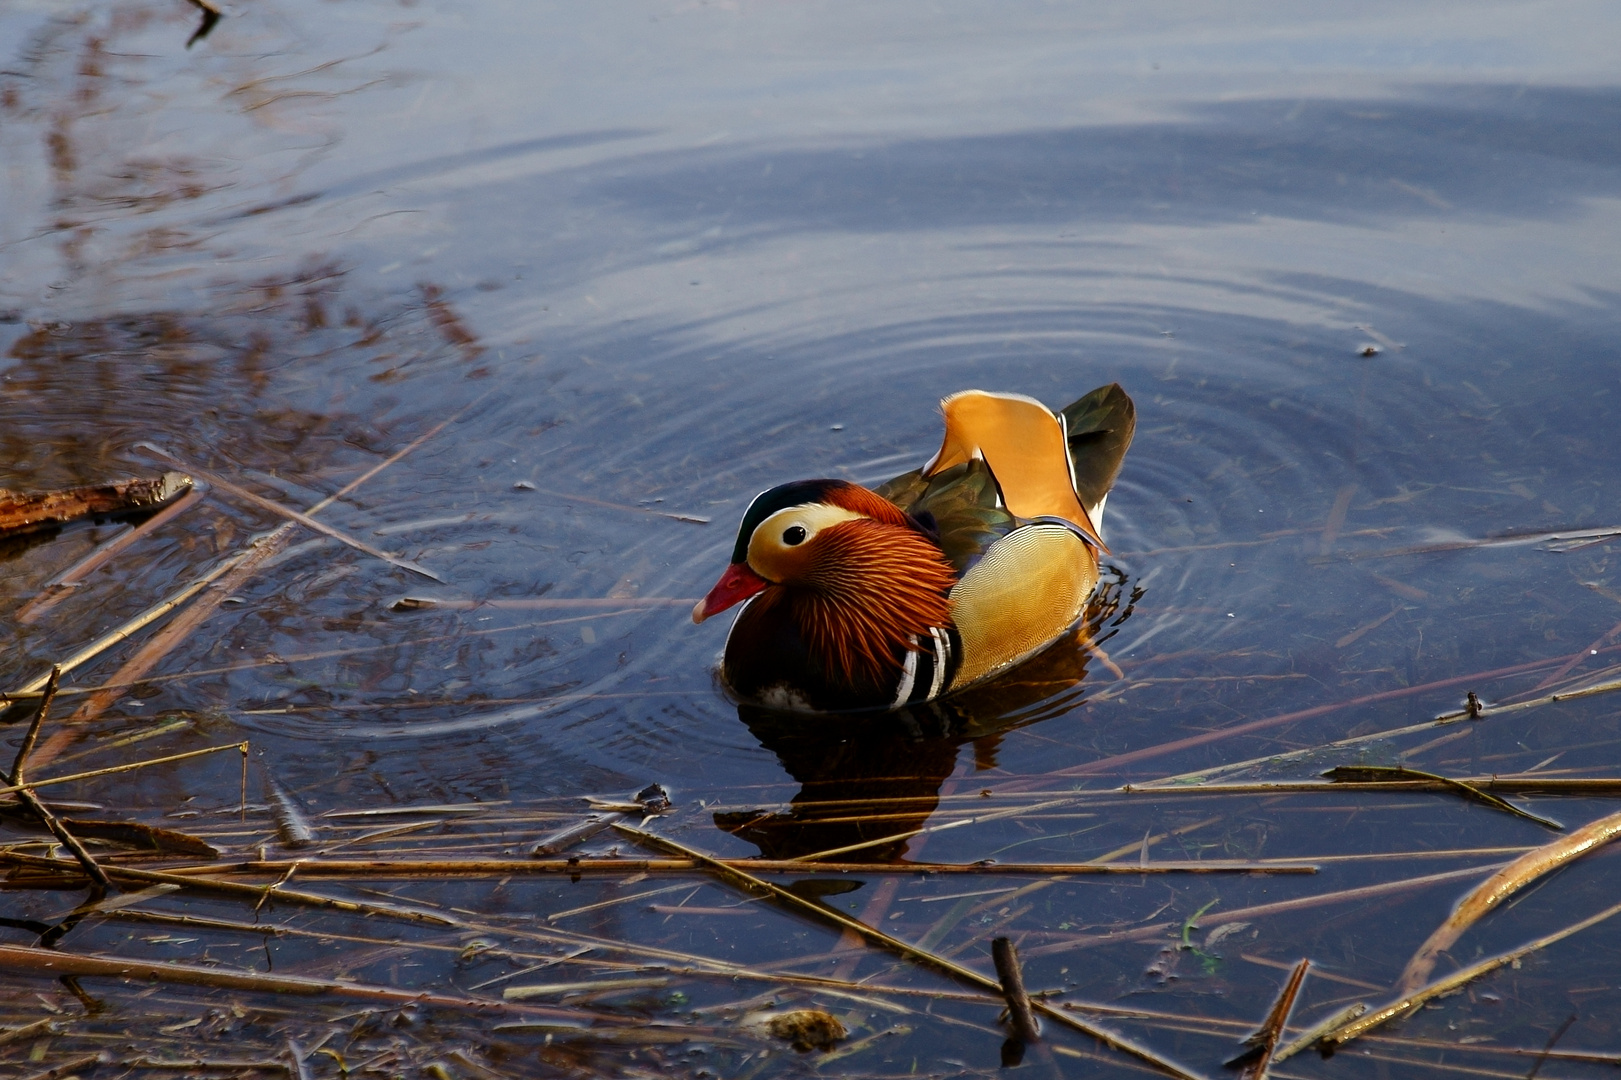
(735, 586)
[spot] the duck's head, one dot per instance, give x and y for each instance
(826, 536)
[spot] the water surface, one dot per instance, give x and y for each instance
(646, 261)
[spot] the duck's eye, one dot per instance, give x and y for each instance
(793, 535)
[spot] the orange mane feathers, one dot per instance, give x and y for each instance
(867, 503)
(875, 585)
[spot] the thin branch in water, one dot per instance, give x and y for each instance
(1364, 892)
(1458, 979)
(1117, 761)
(1254, 1061)
(35, 785)
(1006, 958)
(274, 507)
(1500, 886)
(1361, 774)
(19, 781)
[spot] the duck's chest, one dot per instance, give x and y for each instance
(770, 660)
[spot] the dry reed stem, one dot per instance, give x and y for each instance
(1512, 785)
(19, 780)
(1280, 907)
(69, 1067)
(49, 963)
(939, 963)
(1499, 887)
(1161, 749)
(338, 868)
(1263, 1043)
(34, 785)
(296, 516)
(232, 888)
(1409, 1002)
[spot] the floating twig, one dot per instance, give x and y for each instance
(577, 833)
(1458, 979)
(234, 888)
(1314, 1033)
(1117, 761)
(40, 810)
(1254, 1061)
(71, 778)
(418, 867)
(1499, 887)
(274, 507)
(50, 963)
(1006, 958)
(1362, 774)
(20, 512)
(1364, 892)
(539, 603)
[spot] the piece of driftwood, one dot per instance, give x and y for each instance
(26, 511)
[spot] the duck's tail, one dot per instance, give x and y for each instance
(1098, 428)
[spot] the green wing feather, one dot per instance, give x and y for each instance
(1099, 426)
(964, 503)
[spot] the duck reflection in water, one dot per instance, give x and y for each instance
(867, 781)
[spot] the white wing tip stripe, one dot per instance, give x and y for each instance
(908, 676)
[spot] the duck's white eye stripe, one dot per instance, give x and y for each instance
(908, 676)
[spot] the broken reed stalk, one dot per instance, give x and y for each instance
(896, 838)
(1511, 785)
(1499, 887)
(29, 799)
(1162, 749)
(49, 963)
(35, 785)
(234, 888)
(1358, 775)
(1364, 892)
(287, 512)
(1006, 958)
(1473, 712)
(1254, 1062)
(1604, 639)
(337, 868)
(1341, 1035)
(68, 1070)
(939, 963)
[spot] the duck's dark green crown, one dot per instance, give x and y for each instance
(780, 497)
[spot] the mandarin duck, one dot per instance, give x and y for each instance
(858, 598)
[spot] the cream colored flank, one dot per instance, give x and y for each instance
(1027, 589)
